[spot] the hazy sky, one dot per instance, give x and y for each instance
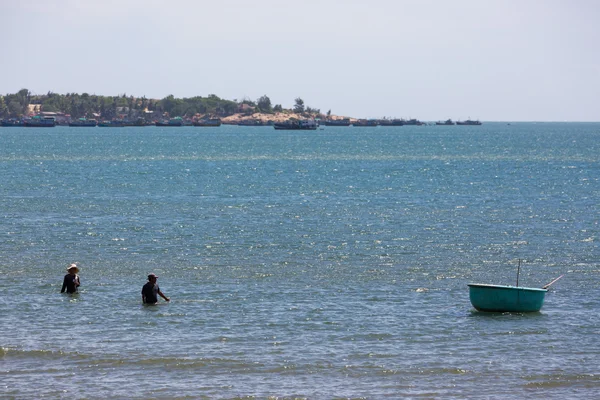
(505, 60)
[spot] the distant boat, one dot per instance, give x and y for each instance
(413, 122)
(337, 122)
(391, 122)
(40, 122)
(115, 123)
(501, 298)
(468, 122)
(83, 122)
(365, 122)
(177, 121)
(214, 122)
(446, 122)
(12, 122)
(139, 122)
(294, 124)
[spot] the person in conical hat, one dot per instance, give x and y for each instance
(71, 281)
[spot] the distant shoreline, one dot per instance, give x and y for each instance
(125, 110)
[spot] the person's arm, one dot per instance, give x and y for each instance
(64, 286)
(163, 296)
(76, 281)
(143, 297)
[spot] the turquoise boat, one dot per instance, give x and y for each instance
(499, 298)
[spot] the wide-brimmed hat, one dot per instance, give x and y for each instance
(73, 267)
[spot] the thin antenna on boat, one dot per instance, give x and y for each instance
(518, 272)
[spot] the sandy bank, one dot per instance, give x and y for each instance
(275, 117)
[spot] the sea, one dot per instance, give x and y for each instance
(327, 264)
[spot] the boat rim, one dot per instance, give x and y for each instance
(488, 286)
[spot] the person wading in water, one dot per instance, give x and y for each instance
(150, 291)
(71, 281)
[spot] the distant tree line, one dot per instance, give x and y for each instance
(109, 107)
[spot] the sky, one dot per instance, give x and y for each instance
(493, 60)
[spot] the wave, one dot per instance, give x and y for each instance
(35, 354)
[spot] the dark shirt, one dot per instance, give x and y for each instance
(70, 283)
(150, 291)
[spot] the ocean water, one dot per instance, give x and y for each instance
(324, 264)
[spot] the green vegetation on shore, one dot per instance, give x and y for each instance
(24, 103)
